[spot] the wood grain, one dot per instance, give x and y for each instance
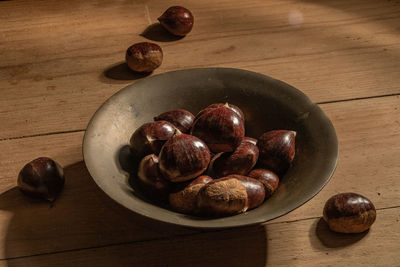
(85, 217)
(301, 243)
(60, 61)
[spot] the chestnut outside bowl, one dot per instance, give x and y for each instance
(267, 104)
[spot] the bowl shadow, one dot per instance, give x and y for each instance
(84, 217)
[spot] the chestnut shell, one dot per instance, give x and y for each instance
(144, 57)
(240, 161)
(254, 188)
(183, 157)
(184, 198)
(234, 108)
(150, 137)
(177, 20)
(221, 128)
(151, 180)
(42, 178)
(349, 213)
(222, 197)
(277, 149)
(268, 178)
(180, 118)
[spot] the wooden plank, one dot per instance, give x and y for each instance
(301, 243)
(369, 149)
(59, 59)
(83, 215)
(368, 130)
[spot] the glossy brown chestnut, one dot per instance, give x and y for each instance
(269, 179)
(177, 20)
(254, 188)
(240, 161)
(42, 178)
(221, 128)
(234, 108)
(144, 57)
(277, 149)
(150, 137)
(185, 199)
(222, 197)
(151, 180)
(183, 157)
(182, 119)
(349, 213)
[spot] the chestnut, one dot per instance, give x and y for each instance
(151, 180)
(277, 149)
(254, 188)
(150, 137)
(42, 178)
(269, 179)
(185, 199)
(221, 128)
(222, 197)
(234, 108)
(177, 20)
(180, 118)
(349, 213)
(240, 161)
(183, 157)
(144, 57)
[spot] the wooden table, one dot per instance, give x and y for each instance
(59, 60)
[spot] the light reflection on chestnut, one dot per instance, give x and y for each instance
(234, 108)
(254, 188)
(177, 20)
(349, 213)
(277, 149)
(144, 57)
(269, 179)
(151, 180)
(42, 178)
(150, 137)
(180, 118)
(221, 128)
(183, 157)
(240, 161)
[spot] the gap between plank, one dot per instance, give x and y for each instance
(42, 134)
(161, 238)
(82, 130)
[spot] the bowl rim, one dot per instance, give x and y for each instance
(189, 222)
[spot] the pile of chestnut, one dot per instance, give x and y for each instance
(203, 164)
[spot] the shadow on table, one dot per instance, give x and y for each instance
(155, 32)
(321, 237)
(90, 228)
(120, 72)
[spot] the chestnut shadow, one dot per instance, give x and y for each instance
(85, 219)
(122, 73)
(156, 32)
(329, 239)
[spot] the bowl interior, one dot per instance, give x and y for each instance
(267, 104)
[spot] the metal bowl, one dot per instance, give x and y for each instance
(267, 104)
